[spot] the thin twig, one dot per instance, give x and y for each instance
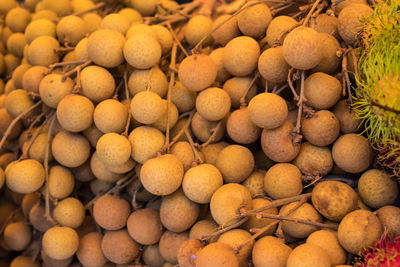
(290, 83)
(46, 169)
(76, 69)
(243, 98)
(347, 79)
(308, 222)
(279, 90)
(176, 38)
(68, 63)
(296, 131)
(305, 22)
(212, 136)
(25, 153)
(170, 85)
(125, 133)
(197, 159)
(223, 229)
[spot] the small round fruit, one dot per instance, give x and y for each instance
(61, 182)
(118, 247)
(183, 98)
(53, 88)
(152, 256)
(240, 127)
(213, 104)
(69, 212)
(329, 242)
(17, 236)
(217, 254)
(146, 107)
(142, 51)
(89, 252)
(227, 31)
(71, 29)
(359, 229)
(270, 251)
(278, 29)
(350, 21)
(283, 180)
(18, 101)
(322, 91)
(145, 141)
(272, 65)
(140, 81)
(314, 160)
(60, 243)
(111, 212)
(170, 243)
(257, 223)
(253, 21)
(110, 116)
(144, 226)
(42, 51)
(32, 78)
(389, 216)
(113, 149)
(347, 117)
(97, 83)
(217, 55)
(25, 176)
(308, 255)
(188, 251)
(75, 113)
(255, 183)
(115, 22)
(17, 19)
(321, 129)
(235, 238)
(330, 61)
(164, 37)
(202, 228)
(167, 118)
(197, 28)
(236, 87)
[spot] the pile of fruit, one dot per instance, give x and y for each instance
(205, 134)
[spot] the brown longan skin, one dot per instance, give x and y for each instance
(144, 226)
(16, 44)
(17, 19)
(213, 103)
(322, 91)
(25, 176)
(23, 261)
(37, 218)
(101, 172)
(314, 160)
(170, 243)
(277, 29)
(217, 55)
(254, 20)
(32, 78)
(328, 241)
(17, 236)
(350, 21)
(17, 102)
(283, 180)
(89, 252)
(236, 87)
(272, 65)
(111, 212)
(110, 116)
(325, 23)
(218, 254)
(347, 117)
(142, 51)
(118, 247)
(97, 83)
(71, 29)
(183, 151)
(270, 251)
(70, 149)
(308, 255)
(203, 129)
(113, 149)
(115, 22)
(69, 212)
(188, 251)
(60, 243)
(41, 51)
(152, 256)
(227, 31)
(145, 141)
(18, 74)
(53, 88)
(389, 216)
(146, 107)
(236, 237)
(183, 98)
(61, 182)
(321, 129)
(139, 81)
(330, 60)
(253, 222)
(197, 28)
(240, 127)
(5, 121)
(352, 153)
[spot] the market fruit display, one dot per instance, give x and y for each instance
(200, 134)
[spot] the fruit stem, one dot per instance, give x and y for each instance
(125, 133)
(279, 90)
(197, 159)
(15, 120)
(296, 131)
(347, 79)
(212, 136)
(307, 19)
(46, 168)
(176, 38)
(205, 239)
(243, 98)
(290, 83)
(99, 5)
(68, 63)
(78, 68)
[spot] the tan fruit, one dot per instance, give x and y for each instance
(217, 55)
(352, 153)
(5, 121)
(61, 7)
(268, 110)
(32, 78)
(203, 129)
(278, 29)
(200, 183)
(257, 223)
(235, 238)
(241, 55)
(152, 256)
(17, 102)
(235, 163)
(144, 226)
(308, 54)
(389, 218)
(227, 31)
(7, 5)
(2, 178)
(146, 107)
(48, 261)
(240, 127)
(169, 245)
(105, 48)
(322, 91)
(93, 135)
(212, 151)
(140, 28)
(83, 173)
(314, 160)
(359, 229)
(217, 254)
(347, 117)
(61, 182)
(89, 252)
(71, 29)
(142, 51)
(145, 141)
(350, 21)
(118, 247)
(188, 251)
(164, 37)
(305, 212)
(308, 255)
(18, 74)
(75, 113)
(272, 65)
(140, 81)
(116, 22)
(92, 21)
(166, 118)
(53, 88)
(113, 149)
(377, 189)
(329, 242)
(253, 21)
(146, 8)
(69, 212)
(270, 251)
(226, 201)
(97, 83)
(44, 14)
(184, 152)
(202, 228)
(183, 98)
(37, 218)
(110, 116)
(70, 149)
(162, 175)
(197, 28)
(11, 62)
(325, 23)
(111, 212)
(283, 180)
(213, 104)
(25, 176)
(17, 19)
(338, 7)
(197, 72)
(41, 51)
(236, 87)
(334, 199)
(17, 236)
(23, 261)
(255, 183)
(16, 43)
(330, 61)
(60, 242)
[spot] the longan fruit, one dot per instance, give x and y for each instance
(101, 171)
(202, 228)
(144, 226)
(170, 243)
(273, 66)
(7, 5)
(118, 247)
(277, 143)
(253, 21)
(132, 15)
(60, 242)
(283, 180)
(5, 121)
(270, 251)
(183, 98)
(321, 129)
(350, 21)
(16, 44)
(308, 255)
(45, 14)
(47, 261)
(305, 212)
(2, 178)
(38, 148)
(89, 252)
(38, 219)
(212, 151)
(18, 74)
(17, 19)
(83, 173)
(359, 229)
(105, 48)
(330, 61)
(322, 91)
(140, 28)
(53, 89)
(334, 199)
(352, 153)
(389, 218)
(328, 241)
(81, 5)
(217, 55)
(162, 175)
(241, 128)
(110, 116)
(172, 116)
(235, 238)
(93, 134)
(197, 28)
(25, 176)
(314, 160)
(217, 254)
(92, 21)
(116, 22)
(188, 251)
(23, 261)
(213, 104)
(164, 37)
(377, 189)
(17, 236)
(197, 72)
(98, 186)
(28, 201)
(32, 78)
(183, 151)
(349, 123)
(146, 8)
(203, 129)
(61, 182)
(60, 7)
(142, 51)
(81, 53)
(236, 87)
(236, 163)
(113, 149)
(40, 27)
(97, 83)
(257, 223)
(139, 81)
(11, 62)
(325, 23)
(226, 201)
(255, 183)
(227, 31)
(111, 212)
(123, 168)
(278, 28)
(152, 256)
(146, 141)
(146, 107)
(338, 7)
(75, 113)
(241, 55)
(70, 149)
(17, 102)
(41, 51)
(69, 212)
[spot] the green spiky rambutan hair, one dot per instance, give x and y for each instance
(377, 99)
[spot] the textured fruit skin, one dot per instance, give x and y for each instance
(146, 107)
(254, 20)
(144, 226)
(113, 149)
(139, 81)
(89, 251)
(146, 141)
(272, 65)
(277, 29)
(330, 61)
(100, 170)
(308, 255)
(254, 222)
(217, 56)
(18, 101)
(69, 212)
(322, 91)
(213, 103)
(314, 160)
(111, 212)
(169, 245)
(197, 28)
(61, 182)
(25, 176)
(358, 230)
(32, 78)
(240, 127)
(60, 242)
(302, 48)
(97, 83)
(71, 29)
(118, 247)
(197, 72)
(17, 236)
(188, 251)
(217, 254)
(115, 22)
(53, 89)
(110, 116)
(283, 180)
(349, 21)
(389, 216)
(347, 117)
(226, 32)
(142, 51)
(234, 238)
(324, 23)
(41, 51)
(321, 129)
(236, 87)
(270, 251)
